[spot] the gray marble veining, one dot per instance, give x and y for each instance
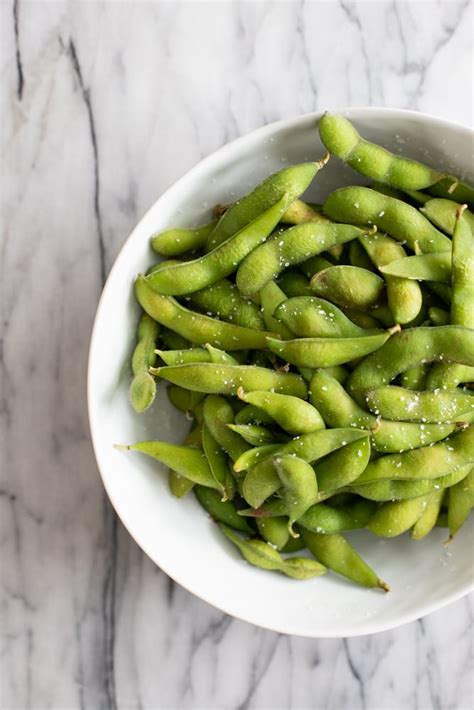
(104, 105)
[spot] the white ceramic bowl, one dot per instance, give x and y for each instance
(178, 535)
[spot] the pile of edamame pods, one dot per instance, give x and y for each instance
(325, 355)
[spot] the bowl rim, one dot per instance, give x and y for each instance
(370, 627)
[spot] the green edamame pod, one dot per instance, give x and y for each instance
(143, 386)
(180, 357)
(294, 283)
(293, 246)
(271, 296)
(189, 276)
(254, 434)
(395, 518)
(226, 379)
(217, 415)
(363, 206)
(292, 181)
(400, 404)
(292, 414)
(411, 348)
(273, 530)
(424, 267)
(344, 466)
(429, 516)
(341, 138)
(425, 462)
(217, 460)
(338, 409)
(358, 256)
(312, 317)
(179, 485)
(460, 502)
(414, 378)
(223, 299)
(366, 321)
(452, 188)
(443, 212)
(183, 399)
(262, 480)
(174, 242)
(438, 316)
(221, 511)
(173, 341)
(385, 490)
(185, 460)
(300, 488)
(197, 328)
(327, 520)
(336, 553)
(462, 276)
(252, 456)
(444, 375)
(349, 287)
(403, 296)
(252, 415)
(317, 263)
(327, 352)
(294, 544)
(299, 212)
(261, 554)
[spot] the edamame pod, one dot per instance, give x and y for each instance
(336, 553)
(403, 296)
(226, 379)
(326, 352)
(363, 206)
(386, 489)
(217, 461)
(328, 520)
(344, 466)
(185, 460)
(271, 296)
(217, 415)
(342, 139)
(462, 276)
(395, 518)
(444, 375)
(189, 276)
(424, 267)
(273, 530)
(460, 502)
(143, 386)
(411, 348)
(349, 287)
(254, 434)
(429, 516)
(424, 463)
(294, 283)
(400, 404)
(252, 415)
(292, 181)
(197, 328)
(442, 213)
(174, 242)
(261, 554)
(253, 455)
(454, 189)
(293, 246)
(221, 511)
(312, 317)
(223, 300)
(338, 409)
(292, 414)
(299, 487)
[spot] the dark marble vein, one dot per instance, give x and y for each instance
(85, 93)
(19, 63)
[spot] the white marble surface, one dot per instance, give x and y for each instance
(104, 106)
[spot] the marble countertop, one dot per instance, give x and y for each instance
(106, 104)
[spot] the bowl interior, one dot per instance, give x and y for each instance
(178, 535)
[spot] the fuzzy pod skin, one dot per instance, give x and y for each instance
(395, 518)
(363, 206)
(313, 317)
(424, 463)
(423, 267)
(411, 348)
(326, 352)
(223, 300)
(195, 327)
(292, 181)
(292, 414)
(452, 188)
(217, 415)
(175, 242)
(271, 296)
(404, 296)
(442, 213)
(462, 272)
(400, 404)
(226, 379)
(299, 487)
(344, 466)
(395, 489)
(143, 386)
(293, 246)
(262, 480)
(338, 409)
(342, 139)
(189, 276)
(427, 520)
(460, 502)
(349, 287)
(336, 553)
(260, 554)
